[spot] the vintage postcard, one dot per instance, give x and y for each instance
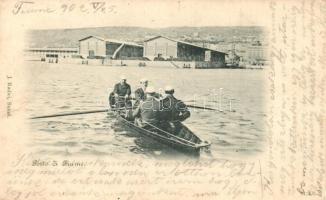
(153, 100)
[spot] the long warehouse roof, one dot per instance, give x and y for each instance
(112, 40)
(187, 43)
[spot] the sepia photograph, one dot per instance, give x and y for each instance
(148, 92)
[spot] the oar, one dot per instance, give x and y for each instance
(200, 107)
(76, 113)
(103, 110)
(99, 111)
(190, 106)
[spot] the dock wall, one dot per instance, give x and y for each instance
(140, 63)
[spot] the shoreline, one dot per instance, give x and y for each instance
(148, 64)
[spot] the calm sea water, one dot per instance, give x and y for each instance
(237, 131)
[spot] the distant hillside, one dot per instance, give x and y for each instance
(70, 37)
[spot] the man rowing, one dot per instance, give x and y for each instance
(121, 93)
(122, 89)
(172, 109)
(148, 112)
(140, 94)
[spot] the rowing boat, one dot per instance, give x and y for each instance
(182, 139)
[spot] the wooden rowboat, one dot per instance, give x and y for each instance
(183, 139)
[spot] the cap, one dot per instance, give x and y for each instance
(168, 88)
(143, 80)
(150, 90)
(122, 77)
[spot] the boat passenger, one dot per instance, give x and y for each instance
(148, 112)
(172, 109)
(121, 93)
(140, 92)
(122, 89)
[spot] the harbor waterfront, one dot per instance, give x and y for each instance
(236, 130)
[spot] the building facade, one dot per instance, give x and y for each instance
(50, 53)
(256, 53)
(163, 48)
(97, 47)
(160, 47)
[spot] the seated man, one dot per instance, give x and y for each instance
(121, 93)
(148, 111)
(140, 92)
(172, 108)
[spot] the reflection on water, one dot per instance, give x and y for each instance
(58, 88)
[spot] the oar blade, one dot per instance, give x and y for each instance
(72, 113)
(201, 107)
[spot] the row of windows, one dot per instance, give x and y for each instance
(51, 51)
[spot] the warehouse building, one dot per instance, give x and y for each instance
(97, 47)
(256, 53)
(163, 48)
(50, 54)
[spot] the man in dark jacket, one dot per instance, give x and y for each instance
(121, 93)
(173, 112)
(172, 109)
(122, 89)
(148, 112)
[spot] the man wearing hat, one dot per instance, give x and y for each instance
(149, 110)
(173, 109)
(121, 92)
(140, 92)
(122, 89)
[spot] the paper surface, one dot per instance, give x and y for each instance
(290, 160)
